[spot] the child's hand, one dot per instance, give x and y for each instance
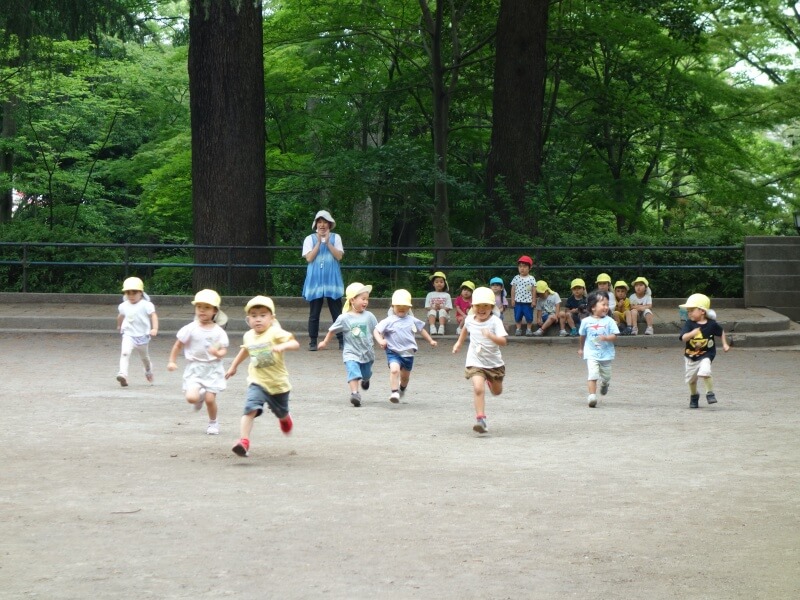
(153, 332)
(320, 346)
(456, 347)
(280, 348)
(726, 347)
(382, 344)
(171, 366)
(434, 343)
(230, 372)
(217, 351)
(580, 352)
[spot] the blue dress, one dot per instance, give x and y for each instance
(323, 276)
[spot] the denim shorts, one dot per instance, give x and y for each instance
(258, 396)
(357, 370)
(523, 311)
(406, 362)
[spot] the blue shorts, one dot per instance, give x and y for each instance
(406, 362)
(258, 396)
(523, 311)
(357, 370)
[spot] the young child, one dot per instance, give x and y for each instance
(698, 333)
(204, 343)
(575, 309)
(137, 321)
(598, 333)
(548, 306)
(358, 326)
(603, 284)
(484, 366)
(438, 303)
(500, 298)
(523, 295)
(463, 303)
(622, 308)
(641, 305)
(267, 378)
(395, 334)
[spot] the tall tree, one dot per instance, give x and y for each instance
(515, 155)
(226, 86)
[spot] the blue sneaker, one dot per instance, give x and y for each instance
(480, 425)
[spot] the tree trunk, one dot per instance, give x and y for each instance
(226, 84)
(8, 131)
(515, 156)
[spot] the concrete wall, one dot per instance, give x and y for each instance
(772, 274)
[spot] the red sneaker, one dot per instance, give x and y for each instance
(286, 424)
(241, 448)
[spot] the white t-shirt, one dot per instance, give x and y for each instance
(196, 341)
(136, 322)
(438, 300)
(482, 351)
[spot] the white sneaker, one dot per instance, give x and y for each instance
(213, 428)
(592, 401)
(441, 329)
(433, 329)
(563, 333)
(634, 331)
(648, 331)
(537, 333)
(394, 398)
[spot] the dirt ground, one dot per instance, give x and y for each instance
(119, 493)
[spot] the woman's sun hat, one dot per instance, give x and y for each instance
(323, 214)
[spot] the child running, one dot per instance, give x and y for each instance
(395, 334)
(267, 378)
(137, 321)
(698, 333)
(463, 303)
(598, 333)
(204, 343)
(484, 365)
(358, 326)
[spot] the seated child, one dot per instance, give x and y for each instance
(438, 303)
(623, 306)
(548, 306)
(641, 305)
(575, 309)
(463, 303)
(500, 299)
(603, 284)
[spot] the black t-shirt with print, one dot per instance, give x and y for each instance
(702, 345)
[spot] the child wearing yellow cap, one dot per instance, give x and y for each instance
(204, 343)
(463, 303)
(137, 322)
(548, 307)
(574, 309)
(438, 303)
(641, 306)
(397, 335)
(265, 342)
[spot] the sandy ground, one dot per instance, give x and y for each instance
(119, 493)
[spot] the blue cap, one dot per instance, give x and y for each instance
(496, 280)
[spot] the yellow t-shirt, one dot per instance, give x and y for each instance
(267, 368)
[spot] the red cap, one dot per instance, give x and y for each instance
(525, 259)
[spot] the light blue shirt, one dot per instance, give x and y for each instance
(592, 327)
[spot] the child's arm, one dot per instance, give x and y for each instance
(173, 355)
(324, 342)
(120, 318)
(380, 339)
(218, 351)
(428, 337)
(690, 334)
(461, 337)
(725, 345)
(581, 342)
(511, 298)
(291, 344)
(236, 362)
(153, 324)
(500, 340)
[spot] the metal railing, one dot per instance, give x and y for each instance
(125, 259)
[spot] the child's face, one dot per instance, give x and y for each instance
(359, 303)
(578, 291)
(466, 293)
(603, 286)
(259, 318)
(523, 268)
(438, 284)
(696, 314)
(600, 309)
(400, 311)
(482, 311)
(133, 296)
(204, 312)
(621, 292)
(497, 288)
(639, 288)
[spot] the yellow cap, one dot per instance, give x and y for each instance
(133, 284)
(697, 301)
(621, 283)
(603, 278)
(353, 290)
(468, 284)
(401, 298)
(438, 274)
(483, 295)
(641, 280)
(207, 297)
(541, 287)
(577, 282)
(260, 301)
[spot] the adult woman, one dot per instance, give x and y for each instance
(322, 250)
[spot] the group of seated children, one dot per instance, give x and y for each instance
(535, 304)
